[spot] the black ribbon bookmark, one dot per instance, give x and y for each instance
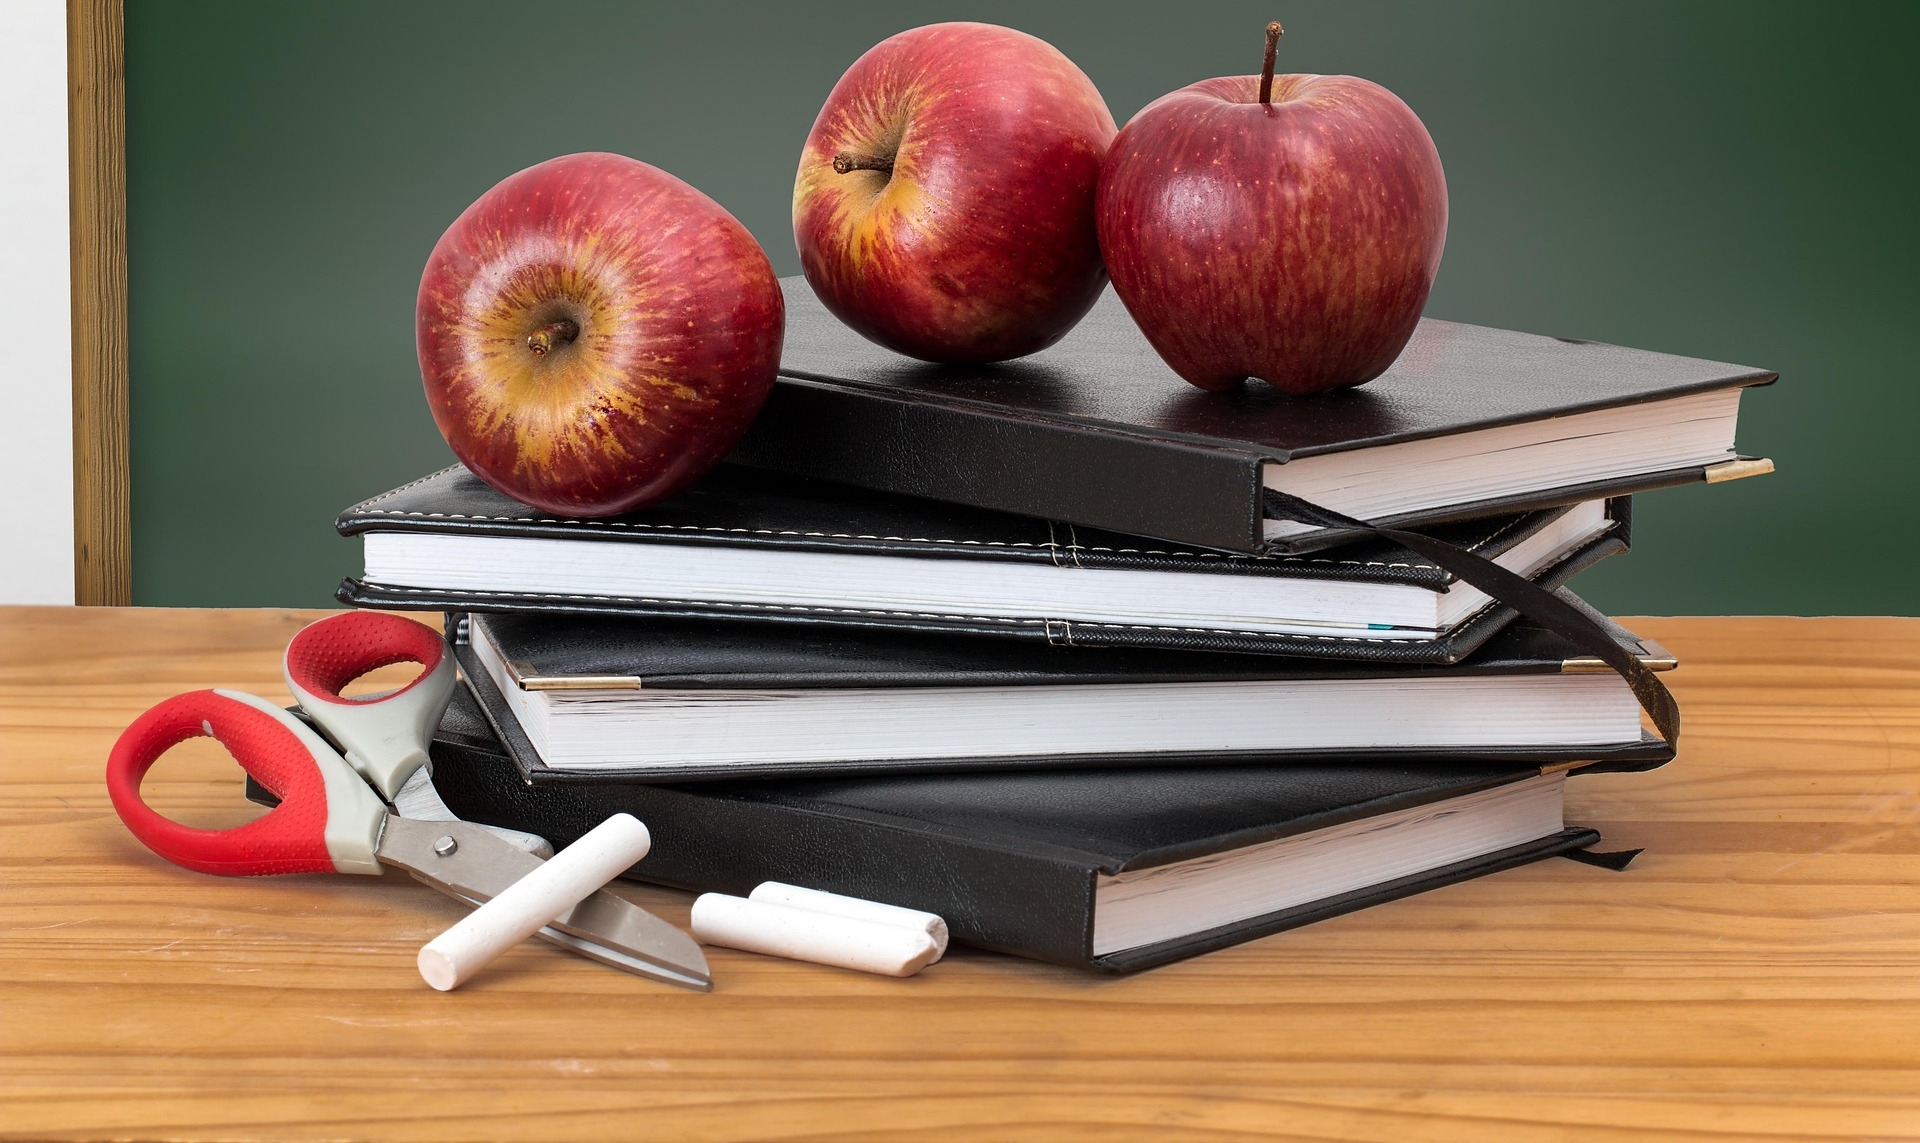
(1616, 860)
(1517, 592)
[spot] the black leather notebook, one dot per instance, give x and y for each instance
(575, 698)
(1063, 866)
(749, 544)
(1098, 431)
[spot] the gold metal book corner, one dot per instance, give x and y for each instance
(527, 677)
(1587, 665)
(1738, 469)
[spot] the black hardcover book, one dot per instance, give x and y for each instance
(1099, 432)
(1117, 870)
(575, 698)
(749, 544)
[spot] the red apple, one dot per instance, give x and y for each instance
(944, 205)
(1293, 240)
(594, 334)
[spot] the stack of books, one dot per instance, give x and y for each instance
(1102, 669)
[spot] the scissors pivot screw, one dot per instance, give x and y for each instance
(445, 846)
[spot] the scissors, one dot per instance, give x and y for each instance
(336, 797)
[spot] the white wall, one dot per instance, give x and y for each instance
(36, 350)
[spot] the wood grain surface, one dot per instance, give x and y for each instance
(97, 244)
(1754, 975)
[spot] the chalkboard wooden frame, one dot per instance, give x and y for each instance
(97, 230)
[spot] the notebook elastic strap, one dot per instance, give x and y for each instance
(1517, 592)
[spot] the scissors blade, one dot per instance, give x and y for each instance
(419, 801)
(604, 927)
(595, 939)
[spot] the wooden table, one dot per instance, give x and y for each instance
(1755, 974)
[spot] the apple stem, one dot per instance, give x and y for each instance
(1274, 32)
(541, 340)
(848, 161)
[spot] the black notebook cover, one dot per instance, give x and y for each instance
(699, 656)
(687, 655)
(1098, 431)
(742, 507)
(1009, 860)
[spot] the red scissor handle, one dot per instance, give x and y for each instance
(384, 738)
(327, 655)
(327, 820)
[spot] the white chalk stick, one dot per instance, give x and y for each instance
(531, 902)
(802, 934)
(821, 901)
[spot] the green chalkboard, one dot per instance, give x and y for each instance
(1731, 180)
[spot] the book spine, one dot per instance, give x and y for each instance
(1042, 906)
(1136, 484)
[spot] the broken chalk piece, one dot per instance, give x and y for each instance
(522, 908)
(821, 901)
(803, 934)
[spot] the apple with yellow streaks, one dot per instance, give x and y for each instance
(594, 334)
(944, 203)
